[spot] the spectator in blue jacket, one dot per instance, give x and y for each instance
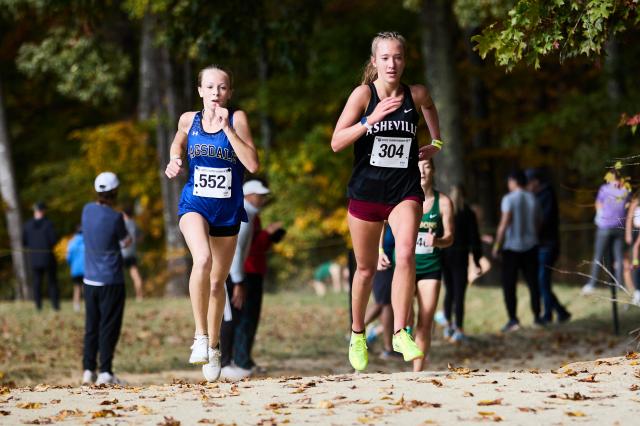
(75, 259)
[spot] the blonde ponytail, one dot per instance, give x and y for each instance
(370, 73)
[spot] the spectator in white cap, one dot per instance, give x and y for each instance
(245, 284)
(104, 234)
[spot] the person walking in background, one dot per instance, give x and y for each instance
(244, 286)
(39, 237)
(548, 243)
(104, 293)
(435, 233)
(129, 253)
(610, 219)
(632, 237)
(517, 241)
(455, 263)
(75, 259)
(380, 120)
(217, 140)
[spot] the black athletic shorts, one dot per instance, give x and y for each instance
(221, 231)
(130, 261)
(435, 275)
(224, 231)
(382, 286)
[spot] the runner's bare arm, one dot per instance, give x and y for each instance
(348, 129)
(424, 103)
(446, 208)
(242, 142)
(628, 228)
(505, 220)
(179, 144)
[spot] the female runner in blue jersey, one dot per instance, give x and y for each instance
(217, 141)
(380, 121)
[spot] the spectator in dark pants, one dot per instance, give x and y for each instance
(548, 243)
(39, 237)
(517, 241)
(104, 234)
(245, 285)
(455, 263)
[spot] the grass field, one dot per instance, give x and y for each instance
(301, 333)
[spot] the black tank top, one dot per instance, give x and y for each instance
(385, 165)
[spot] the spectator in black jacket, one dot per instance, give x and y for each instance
(455, 263)
(549, 242)
(39, 237)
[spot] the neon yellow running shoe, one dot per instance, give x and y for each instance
(403, 343)
(358, 356)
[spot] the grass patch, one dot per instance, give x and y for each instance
(298, 326)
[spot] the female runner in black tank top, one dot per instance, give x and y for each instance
(380, 120)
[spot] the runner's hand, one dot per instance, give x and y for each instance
(383, 262)
(221, 117)
(273, 227)
(427, 151)
(174, 168)
(239, 295)
(430, 238)
(383, 108)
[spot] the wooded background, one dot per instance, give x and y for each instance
(88, 86)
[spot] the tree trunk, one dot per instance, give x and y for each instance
(12, 208)
(158, 98)
(177, 263)
(614, 78)
(438, 51)
(266, 123)
(146, 71)
(483, 176)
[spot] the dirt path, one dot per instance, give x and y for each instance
(604, 392)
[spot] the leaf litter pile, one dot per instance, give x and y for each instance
(604, 390)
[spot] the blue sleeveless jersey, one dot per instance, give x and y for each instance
(212, 164)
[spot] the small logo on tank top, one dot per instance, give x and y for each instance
(408, 110)
(431, 215)
(194, 133)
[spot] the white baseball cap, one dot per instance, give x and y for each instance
(254, 186)
(106, 181)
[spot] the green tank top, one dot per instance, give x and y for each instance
(428, 258)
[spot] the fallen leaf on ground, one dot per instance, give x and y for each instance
(436, 383)
(576, 414)
(103, 413)
(4, 413)
(634, 387)
(632, 355)
(40, 421)
(486, 413)
(486, 402)
(169, 421)
(29, 405)
(467, 394)
(459, 370)
(275, 406)
(63, 414)
(589, 379)
(378, 410)
(325, 404)
(527, 410)
(109, 402)
(366, 420)
(577, 396)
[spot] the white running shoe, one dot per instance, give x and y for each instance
(199, 350)
(211, 371)
(636, 297)
(89, 377)
(234, 373)
(107, 378)
(588, 289)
